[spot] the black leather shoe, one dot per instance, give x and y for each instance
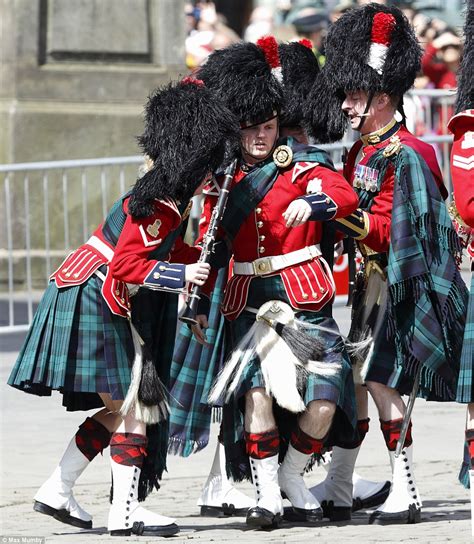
(61, 515)
(139, 528)
(336, 513)
(300, 515)
(226, 510)
(412, 515)
(262, 518)
(374, 500)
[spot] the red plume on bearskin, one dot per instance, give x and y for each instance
(307, 43)
(382, 28)
(269, 46)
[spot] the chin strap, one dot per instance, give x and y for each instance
(366, 110)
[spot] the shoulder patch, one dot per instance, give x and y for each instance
(301, 168)
(468, 140)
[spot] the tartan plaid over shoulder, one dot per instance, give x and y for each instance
(427, 296)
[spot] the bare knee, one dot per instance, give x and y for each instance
(256, 400)
(112, 406)
(323, 410)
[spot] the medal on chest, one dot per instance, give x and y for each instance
(365, 178)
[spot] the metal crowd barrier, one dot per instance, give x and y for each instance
(50, 208)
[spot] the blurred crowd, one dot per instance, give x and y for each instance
(208, 29)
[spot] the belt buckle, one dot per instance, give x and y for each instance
(262, 266)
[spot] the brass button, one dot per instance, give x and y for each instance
(321, 289)
(68, 275)
(315, 295)
(76, 275)
(261, 249)
(117, 292)
(162, 268)
(64, 270)
(305, 296)
(327, 201)
(156, 276)
(262, 267)
(123, 300)
(258, 210)
(261, 238)
(260, 224)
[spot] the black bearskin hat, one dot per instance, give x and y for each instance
(246, 77)
(188, 133)
(465, 97)
(371, 48)
(300, 68)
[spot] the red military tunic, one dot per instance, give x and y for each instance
(128, 261)
(378, 220)
(462, 164)
(264, 233)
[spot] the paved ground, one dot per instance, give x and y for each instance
(35, 431)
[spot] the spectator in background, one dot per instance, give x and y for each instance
(312, 24)
(207, 31)
(341, 8)
(260, 24)
(440, 64)
(441, 60)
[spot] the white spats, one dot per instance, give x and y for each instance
(290, 478)
(56, 492)
(265, 481)
(471, 483)
(218, 494)
(403, 505)
(126, 515)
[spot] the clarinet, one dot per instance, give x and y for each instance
(190, 312)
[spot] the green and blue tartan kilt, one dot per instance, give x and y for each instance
(75, 345)
(465, 387)
(338, 389)
(371, 319)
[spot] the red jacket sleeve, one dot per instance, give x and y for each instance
(139, 237)
(462, 160)
(333, 185)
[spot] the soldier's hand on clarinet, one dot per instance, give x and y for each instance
(199, 329)
(197, 273)
(297, 213)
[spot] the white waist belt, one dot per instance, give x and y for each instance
(101, 247)
(266, 265)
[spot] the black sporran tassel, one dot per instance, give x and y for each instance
(151, 390)
(304, 347)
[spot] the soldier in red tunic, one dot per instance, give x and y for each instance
(462, 173)
(86, 339)
(372, 60)
(279, 405)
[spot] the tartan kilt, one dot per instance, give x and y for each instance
(465, 386)
(338, 389)
(75, 345)
(370, 317)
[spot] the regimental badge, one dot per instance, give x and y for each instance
(366, 178)
(154, 229)
(282, 156)
(393, 147)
